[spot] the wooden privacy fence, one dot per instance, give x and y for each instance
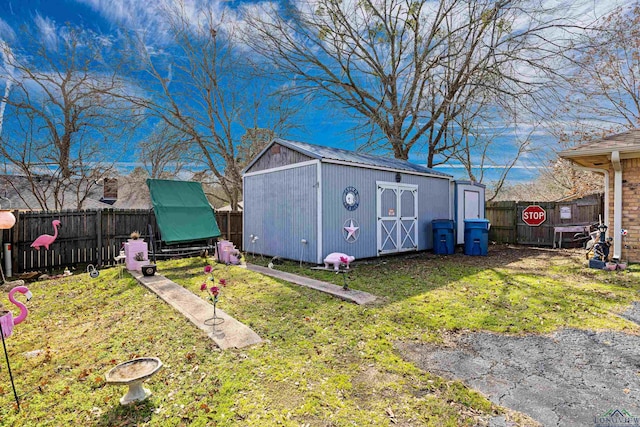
(507, 225)
(230, 224)
(89, 236)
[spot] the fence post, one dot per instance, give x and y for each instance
(15, 232)
(99, 237)
(515, 223)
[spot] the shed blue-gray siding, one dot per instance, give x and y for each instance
(280, 207)
(433, 202)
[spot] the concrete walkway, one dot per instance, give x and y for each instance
(229, 334)
(352, 295)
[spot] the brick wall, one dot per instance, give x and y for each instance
(630, 208)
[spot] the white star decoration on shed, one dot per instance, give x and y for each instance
(352, 229)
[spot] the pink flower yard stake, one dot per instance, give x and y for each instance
(214, 294)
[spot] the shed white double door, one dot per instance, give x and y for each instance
(397, 217)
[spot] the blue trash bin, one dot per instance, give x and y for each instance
(442, 236)
(476, 237)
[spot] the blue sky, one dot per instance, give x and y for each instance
(323, 125)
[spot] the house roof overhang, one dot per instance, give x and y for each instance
(598, 154)
(597, 158)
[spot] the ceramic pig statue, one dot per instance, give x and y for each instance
(337, 258)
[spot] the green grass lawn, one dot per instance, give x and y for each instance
(324, 362)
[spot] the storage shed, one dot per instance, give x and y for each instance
(469, 203)
(304, 201)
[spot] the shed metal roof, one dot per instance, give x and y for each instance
(337, 154)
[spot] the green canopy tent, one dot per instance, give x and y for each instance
(183, 212)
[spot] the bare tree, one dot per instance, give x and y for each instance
(62, 127)
(253, 142)
(408, 68)
(557, 180)
(163, 152)
(201, 89)
(604, 95)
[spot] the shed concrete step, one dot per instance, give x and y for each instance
(352, 295)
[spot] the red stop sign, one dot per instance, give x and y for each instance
(534, 215)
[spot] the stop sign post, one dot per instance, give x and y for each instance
(534, 215)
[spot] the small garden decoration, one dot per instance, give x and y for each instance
(345, 261)
(47, 240)
(214, 293)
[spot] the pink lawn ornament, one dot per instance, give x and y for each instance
(6, 320)
(46, 239)
(337, 258)
(228, 254)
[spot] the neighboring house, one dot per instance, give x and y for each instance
(227, 208)
(132, 194)
(617, 158)
(16, 192)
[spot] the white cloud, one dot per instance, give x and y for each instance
(145, 18)
(47, 30)
(149, 18)
(130, 13)
(6, 32)
(516, 166)
(8, 75)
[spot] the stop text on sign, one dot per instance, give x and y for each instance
(534, 215)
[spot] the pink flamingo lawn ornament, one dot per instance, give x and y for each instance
(47, 239)
(7, 322)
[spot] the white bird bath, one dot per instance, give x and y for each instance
(133, 373)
